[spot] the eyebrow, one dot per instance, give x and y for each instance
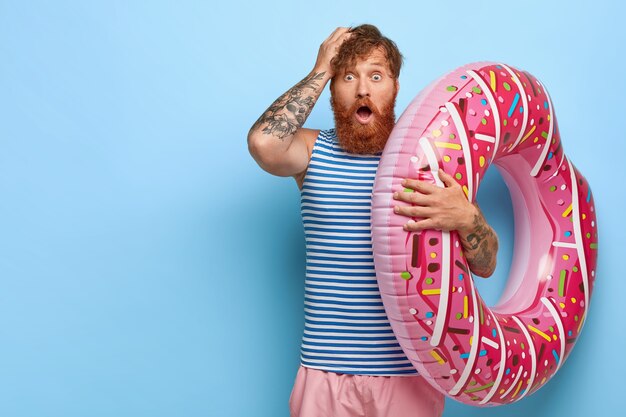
(380, 64)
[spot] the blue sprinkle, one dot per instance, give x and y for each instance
(550, 155)
(569, 333)
(482, 352)
(499, 66)
(556, 356)
(460, 277)
(424, 338)
(545, 104)
(429, 314)
(493, 332)
(512, 108)
(521, 109)
(464, 355)
(463, 77)
(508, 371)
(588, 194)
(567, 234)
(483, 102)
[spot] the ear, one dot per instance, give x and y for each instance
(397, 85)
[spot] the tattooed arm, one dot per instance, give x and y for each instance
(277, 140)
(480, 245)
(448, 209)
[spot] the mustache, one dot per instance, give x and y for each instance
(365, 102)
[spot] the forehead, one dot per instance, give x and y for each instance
(375, 59)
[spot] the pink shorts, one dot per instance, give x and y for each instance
(319, 393)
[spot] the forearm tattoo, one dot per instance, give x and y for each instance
(289, 112)
(480, 247)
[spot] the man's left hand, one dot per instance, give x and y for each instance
(435, 207)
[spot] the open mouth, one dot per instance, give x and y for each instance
(363, 114)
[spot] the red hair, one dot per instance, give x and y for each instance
(364, 39)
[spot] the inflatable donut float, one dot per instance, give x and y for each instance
(478, 115)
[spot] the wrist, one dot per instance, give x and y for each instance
(470, 220)
(323, 68)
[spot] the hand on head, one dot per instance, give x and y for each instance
(329, 48)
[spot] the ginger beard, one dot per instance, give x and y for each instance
(369, 138)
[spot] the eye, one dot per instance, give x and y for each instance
(377, 77)
(349, 77)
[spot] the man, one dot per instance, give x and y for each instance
(352, 364)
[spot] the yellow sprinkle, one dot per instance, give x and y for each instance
(517, 389)
(548, 117)
(528, 134)
(492, 76)
(584, 216)
(554, 337)
(431, 292)
(465, 307)
(471, 339)
(437, 357)
(540, 333)
(465, 189)
(448, 145)
(565, 257)
(433, 255)
(481, 161)
(562, 305)
(536, 139)
(573, 300)
(446, 158)
(567, 211)
(436, 133)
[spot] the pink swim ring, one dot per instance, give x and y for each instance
(480, 114)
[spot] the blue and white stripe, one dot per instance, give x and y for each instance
(346, 328)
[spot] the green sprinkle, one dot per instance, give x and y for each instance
(505, 122)
(507, 87)
(458, 316)
(483, 121)
(593, 245)
(429, 281)
(406, 275)
(458, 176)
(452, 136)
(575, 269)
(451, 88)
(562, 277)
(477, 90)
(553, 188)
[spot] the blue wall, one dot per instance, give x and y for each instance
(148, 267)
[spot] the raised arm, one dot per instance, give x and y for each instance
(277, 140)
(448, 209)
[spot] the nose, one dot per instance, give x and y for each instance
(363, 89)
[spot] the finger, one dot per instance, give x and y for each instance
(421, 186)
(416, 226)
(337, 34)
(446, 178)
(411, 197)
(413, 211)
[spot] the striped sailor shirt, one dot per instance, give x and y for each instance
(346, 329)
